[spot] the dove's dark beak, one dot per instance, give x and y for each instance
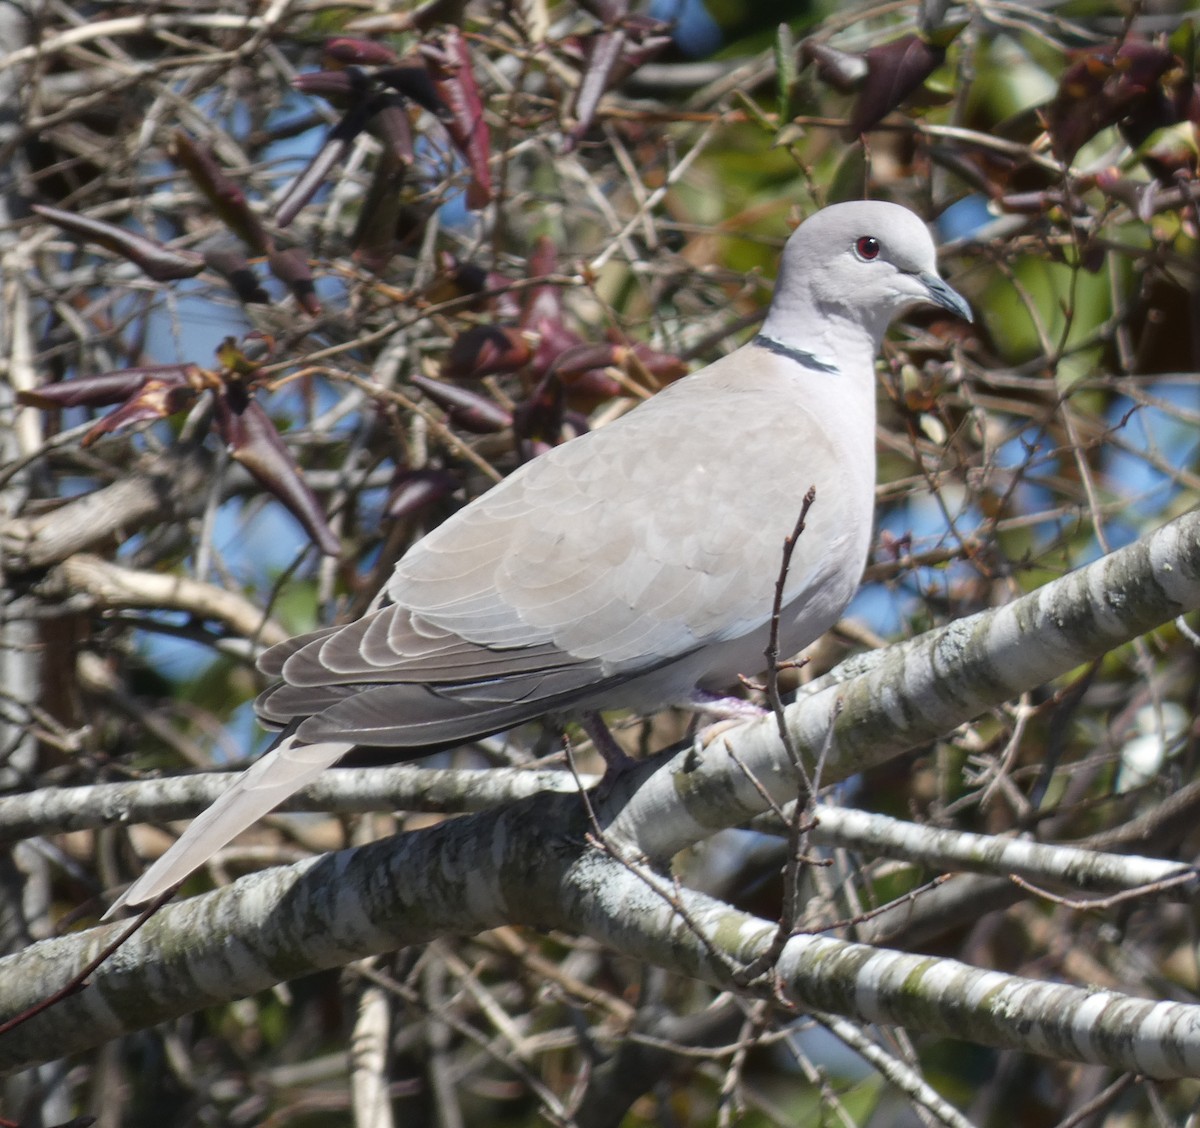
(945, 296)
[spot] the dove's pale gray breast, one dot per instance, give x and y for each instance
(666, 533)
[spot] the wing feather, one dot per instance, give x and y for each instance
(609, 556)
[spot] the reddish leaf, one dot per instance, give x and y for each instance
(543, 315)
(231, 264)
(415, 490)
(226, 197)
(589, 388)
(345, 52)
(553, 340)
(154, 260)
(544, 301)
(586, 391)
(391, 126)
(449, 63)
(253, 441)
(310, 179)
(538, 421)
(1160, 93)
(601, 53)
(291, 267)
(415, 83)
(466, 409)
(110, 387)
(1092, 256)
(894, 71)
(157, 399)
(610, 56)
(365, 105)
(543, 260)
(647, 39)
(1080, 109)
(470, 277)
(484, 350)
(840, 69)
(581, 358)
(1113, 84)
(1169, 156)
(340, 88)
(374, 238)
(582, 371)
(503, 300)
(664, 367)
(457, 278)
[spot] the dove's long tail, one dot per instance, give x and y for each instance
(286, 768)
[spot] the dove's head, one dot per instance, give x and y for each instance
(851, 267)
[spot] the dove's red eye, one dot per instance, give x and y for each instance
(867, 248)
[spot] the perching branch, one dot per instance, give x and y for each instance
(528, 862)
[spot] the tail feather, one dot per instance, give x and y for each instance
(286, 768)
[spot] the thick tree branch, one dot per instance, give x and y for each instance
(917, 691)
(460, 877)
(107, 586)
(403, 787)
(1075, 866)
(170, 484)
(530, 862)
(876, 985)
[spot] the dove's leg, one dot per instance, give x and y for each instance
(616, 760)
(727, 713)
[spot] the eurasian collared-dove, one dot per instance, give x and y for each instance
(630, 567)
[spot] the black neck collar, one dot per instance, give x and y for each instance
(792, 353)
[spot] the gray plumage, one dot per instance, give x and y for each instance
(627, 568)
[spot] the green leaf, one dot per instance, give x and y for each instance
(754, 110)
(785, 71)
(1182, 41)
